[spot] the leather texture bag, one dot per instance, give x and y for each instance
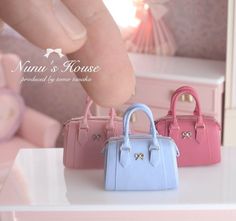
(140, 162)
(197, 136)
(84, 139)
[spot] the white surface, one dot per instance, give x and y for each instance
(39, 182)
(179, 68)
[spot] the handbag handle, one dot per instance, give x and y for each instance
(88, 99)
(137, 107)
(88, 114)
(84, 127)
(186, 90)
(176, 93)
(129, 109)
(199, 126)
(125, 148)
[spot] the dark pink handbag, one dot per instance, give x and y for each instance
(198, 137)
(84, 139)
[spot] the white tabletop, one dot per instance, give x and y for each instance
(38, 181)
(178, 68)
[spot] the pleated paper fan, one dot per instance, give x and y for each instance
(152, 35)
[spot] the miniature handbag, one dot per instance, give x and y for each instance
(140, 162)
(197, 136)
(84, 139)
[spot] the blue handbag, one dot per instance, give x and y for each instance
(140, 161)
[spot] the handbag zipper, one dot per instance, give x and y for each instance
(92, 118)
(186, 117)
(139, 136)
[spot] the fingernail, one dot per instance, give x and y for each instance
(72, 26)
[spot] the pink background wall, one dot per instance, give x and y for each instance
(198, 26)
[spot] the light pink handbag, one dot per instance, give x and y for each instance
(84, 139)
(197, 136)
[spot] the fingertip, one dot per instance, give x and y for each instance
(71, 25)
(45, 24)
(66, 44)
(112, 93)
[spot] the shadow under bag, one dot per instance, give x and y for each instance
(197, 136)
(140, 162)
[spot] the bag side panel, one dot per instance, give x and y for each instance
(111, 165)
(70, 143)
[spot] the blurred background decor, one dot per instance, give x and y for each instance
(145, 30)
(35, 129)
(197, 27)
(152, 35)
